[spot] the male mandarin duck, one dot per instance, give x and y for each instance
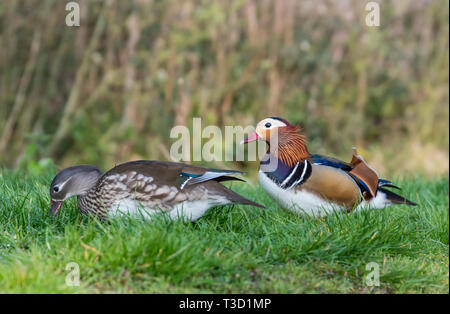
(315, 184)
(144, 188)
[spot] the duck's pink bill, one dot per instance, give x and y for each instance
(253, 137)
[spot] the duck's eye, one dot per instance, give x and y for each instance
(56, 189)
(268, 125)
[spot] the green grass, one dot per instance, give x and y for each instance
(233, 249)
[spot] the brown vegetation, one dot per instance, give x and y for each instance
(111, 90)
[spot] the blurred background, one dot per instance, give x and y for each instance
(111, 90)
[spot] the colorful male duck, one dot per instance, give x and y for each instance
(315, 184)
(144, 188)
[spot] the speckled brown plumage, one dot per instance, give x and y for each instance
(156, 186)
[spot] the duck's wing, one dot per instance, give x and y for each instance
(371, 187)
(364, 176)
(169, 173)
(210, 177)
(198, 175)
(331, 162)
(144, 176)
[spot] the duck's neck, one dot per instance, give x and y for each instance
(90, 203)
(85, 200)
(282, 174)
(274, 168)
(291, 148)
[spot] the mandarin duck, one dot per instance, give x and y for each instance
(144, 188)
(316, 184)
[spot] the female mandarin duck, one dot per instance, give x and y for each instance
(144, 188)
(316, 184)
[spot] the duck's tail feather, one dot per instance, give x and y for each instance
(228, 178)
(395, 198)
(387, 183)
(210, 175)
(239, 199)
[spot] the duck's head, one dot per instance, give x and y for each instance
(267, 128)
(291, 144)
(72, 181)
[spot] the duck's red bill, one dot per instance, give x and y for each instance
(253, 137)
(54, 207)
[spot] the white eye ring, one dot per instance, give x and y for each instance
(56, 189)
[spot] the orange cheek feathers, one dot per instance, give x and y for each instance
(263, 133)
